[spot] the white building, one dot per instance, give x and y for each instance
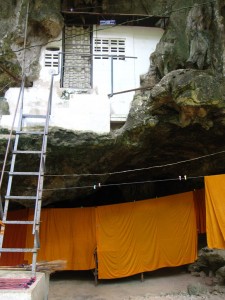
(94, 62)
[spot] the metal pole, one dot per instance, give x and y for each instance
(111, 75)
(10, 137)
(131, 90)
(112, 67)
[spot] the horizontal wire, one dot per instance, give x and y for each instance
(137, 169)
(132, 170)
(89, 7)
(95, 186)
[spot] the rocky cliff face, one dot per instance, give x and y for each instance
(45, 22)
(179, 118)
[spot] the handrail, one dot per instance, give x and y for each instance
(44, 146)
(111, 57)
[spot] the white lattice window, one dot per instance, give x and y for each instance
(52, 57)
(109, 47)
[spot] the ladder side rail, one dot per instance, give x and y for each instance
(13, 160)
(19, 100)
(60, 67)
(38, 203)
(15, 147)
(43, 153)
(3, 214)
(11, 132)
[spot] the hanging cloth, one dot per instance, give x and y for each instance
(145, 235)
(215, 211)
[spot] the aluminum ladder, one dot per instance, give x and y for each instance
(35, 199)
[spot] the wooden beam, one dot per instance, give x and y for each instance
(74, 12)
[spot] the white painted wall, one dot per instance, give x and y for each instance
(140, 43)
(91, 112)
(84, 112)
(88, 112)
(45, 72)
(37, 291)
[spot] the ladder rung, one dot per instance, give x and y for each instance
(18, 250)
(24, 173)
(19, 222)
(26, 152)
(31, 132)
(20, 197)
(34, 116)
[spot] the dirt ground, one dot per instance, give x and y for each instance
(167, 283)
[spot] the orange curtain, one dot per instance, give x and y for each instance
(14, 237)
(215, 211)
(199, 198)
(131, 237)
(67, 234)
(145, 235)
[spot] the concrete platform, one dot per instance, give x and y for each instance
(37, 291)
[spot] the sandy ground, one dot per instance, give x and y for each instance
(161, 284)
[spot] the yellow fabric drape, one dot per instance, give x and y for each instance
(145, 235)
(15, 237)
(199, 198)
(67, 234)
(131, 237)
(215, 211)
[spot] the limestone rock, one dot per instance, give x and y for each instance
(220, 275)
(210, 262)
(46, 18)
(196, 289)
(193, 94)
(4, 107)
(180, 118)
(45, 22)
